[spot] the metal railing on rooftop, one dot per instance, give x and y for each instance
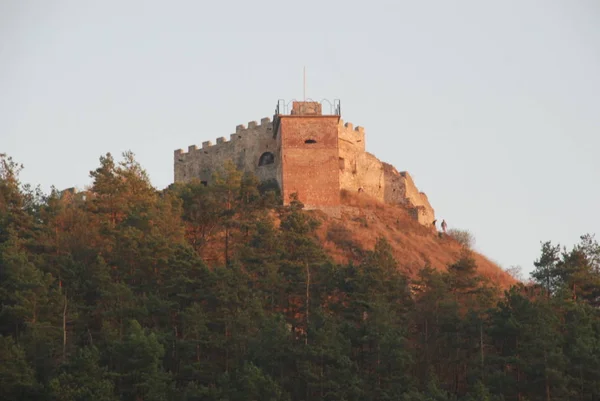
(285, 108)
(334, 107)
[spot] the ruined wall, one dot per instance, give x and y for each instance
(401, 189)
(358, 169)
(244, 148)
(316, 171)
(309, 160)
(362, 170)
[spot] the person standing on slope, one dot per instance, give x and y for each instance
(444, 225)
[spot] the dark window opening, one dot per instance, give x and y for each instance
(342, 163)
(310, 141)
(205, 183)
(266, 158)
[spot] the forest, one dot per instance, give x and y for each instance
(115, 293)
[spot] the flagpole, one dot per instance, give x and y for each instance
(304, 84)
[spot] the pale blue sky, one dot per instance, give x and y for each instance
(492, 106)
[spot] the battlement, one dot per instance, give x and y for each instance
(347, 131)
(349, 127)
(352, 137)
(290, 157)
(241, 132)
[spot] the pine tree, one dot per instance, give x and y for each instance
(545, 272)
(17, 379)
(83, 379)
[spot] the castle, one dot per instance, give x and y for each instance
(309, 153)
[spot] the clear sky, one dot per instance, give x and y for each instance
(492, 106)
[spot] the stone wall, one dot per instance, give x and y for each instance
(317, 171)
(352, 140)
(401, 189)
(360, 170)
(244, 148)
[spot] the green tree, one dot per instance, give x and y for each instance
(582, 350)
(301, 255)
(227, 185)
(250, 383)
(83, 379)
(16, 204)
(17, 379)
(545, 272)
(137, 361)
(201, 212)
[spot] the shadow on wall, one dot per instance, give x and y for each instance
(266, 158)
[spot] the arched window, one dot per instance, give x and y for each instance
(266, 158)
(310, 141)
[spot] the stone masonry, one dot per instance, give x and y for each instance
(307, 153)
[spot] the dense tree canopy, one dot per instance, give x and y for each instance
(123, 292)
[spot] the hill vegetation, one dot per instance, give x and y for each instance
(123, 292)
(414, 246)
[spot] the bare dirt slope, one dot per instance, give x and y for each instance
(364, 220)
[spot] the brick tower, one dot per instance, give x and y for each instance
(306, 152)
(309, 156)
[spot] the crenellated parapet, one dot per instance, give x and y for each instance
(348, 130)
(351, 138)
(256, 148)
(244, 148)
(241, 132)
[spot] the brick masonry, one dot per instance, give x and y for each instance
(311, 154)
(309, 160)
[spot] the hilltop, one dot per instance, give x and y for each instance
(313, 154)
(308, 151)
(365, 219)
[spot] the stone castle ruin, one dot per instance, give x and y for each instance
(306, 152)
